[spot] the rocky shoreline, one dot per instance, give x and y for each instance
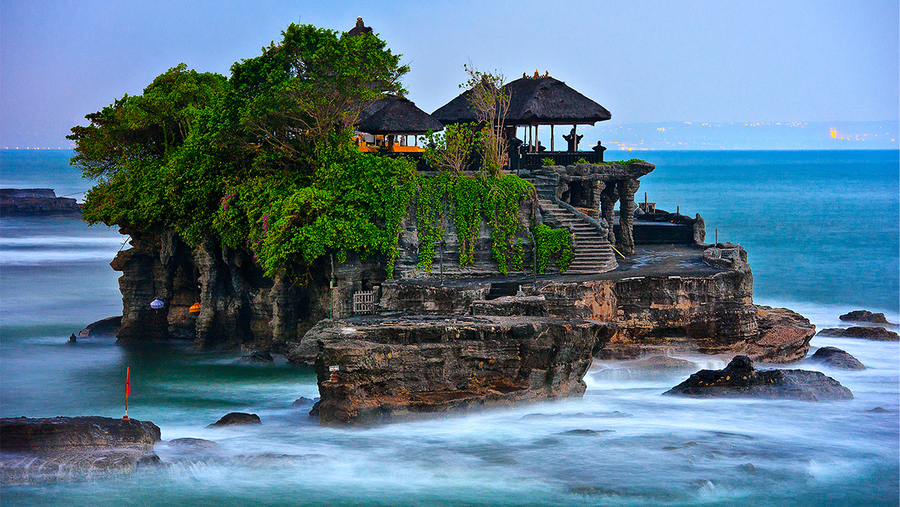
(35, 201)
(35, 450)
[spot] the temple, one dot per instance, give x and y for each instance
(575, 189)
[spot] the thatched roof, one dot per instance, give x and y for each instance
(541, 100)
(457, 110)
(359, 29)
(394, 115)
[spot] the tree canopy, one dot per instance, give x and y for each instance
(264, 161)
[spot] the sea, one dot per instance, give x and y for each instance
(821, 229)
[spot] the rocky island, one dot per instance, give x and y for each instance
(35, 201)
(477, 269)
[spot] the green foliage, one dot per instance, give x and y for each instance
(552, 243)
(501, 207)
(626, 162)
(494, 200)
(548, 161)
(581, 160)
(431, 215)
(311, 85)
(136, 130)
(264, 161)
(452, 148)
(261, 162)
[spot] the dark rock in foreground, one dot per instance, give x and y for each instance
(235, 419)
(865, 316)
(865, 332)
(24, 434)
(73, 447)
(837, 358)
(740, 380)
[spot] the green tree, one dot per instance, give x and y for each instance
(311, 85)
(142, 128)
(452, 148)
(490, 102)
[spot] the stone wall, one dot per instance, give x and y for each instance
(239, 305)
(448, 256)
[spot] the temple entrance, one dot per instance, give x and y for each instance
(579, 194)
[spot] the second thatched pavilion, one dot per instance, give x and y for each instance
(534, 101)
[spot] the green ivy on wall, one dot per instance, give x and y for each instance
(553, 243)
(494, 200)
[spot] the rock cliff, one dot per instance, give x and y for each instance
(382, 369)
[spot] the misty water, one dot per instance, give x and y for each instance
(822, 234)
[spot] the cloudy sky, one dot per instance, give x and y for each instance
(644, 60)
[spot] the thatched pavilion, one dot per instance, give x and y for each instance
(393, 117)
(535, 101)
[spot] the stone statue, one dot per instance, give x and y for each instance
(699, 230)
(573, 139)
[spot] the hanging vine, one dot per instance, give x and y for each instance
(551, 243)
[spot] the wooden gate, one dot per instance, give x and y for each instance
(364, 302)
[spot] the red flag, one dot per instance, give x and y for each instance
(127, 382)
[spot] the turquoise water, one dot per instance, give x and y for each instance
(821, 229)
(820, 226)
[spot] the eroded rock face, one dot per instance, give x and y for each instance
(740, 380)
(390, 369)
(711, 314)
(784, 336)
(239, 305)
(73, 447)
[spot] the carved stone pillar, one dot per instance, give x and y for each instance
(608, 199)
(627, 189)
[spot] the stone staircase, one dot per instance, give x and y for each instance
(592, 251)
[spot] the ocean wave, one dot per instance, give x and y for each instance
(60, 241)
(42, 257)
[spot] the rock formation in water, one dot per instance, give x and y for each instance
(393, 368)
(457, 336)
(865, 316)
(836, 358)
(865, 332)
(236, 419)
(740, 380)
(35, 201)
(72, 447)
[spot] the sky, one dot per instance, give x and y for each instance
(645, 60)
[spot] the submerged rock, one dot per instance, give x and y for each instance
(256, 357)
(740, 380)
(866, 332)
(837, 358)
(864, 316)
(73, 447)
(103, 327)
(236, 419)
